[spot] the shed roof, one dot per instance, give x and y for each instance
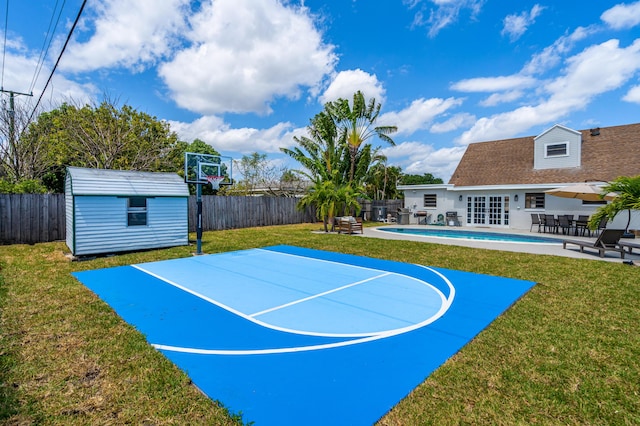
(125, 183)
(614, 152)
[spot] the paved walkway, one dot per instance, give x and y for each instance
(534, 248)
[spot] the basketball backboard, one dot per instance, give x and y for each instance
(198, 166)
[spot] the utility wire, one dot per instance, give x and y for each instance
(4, 47)
(57, 62)
(44, 51)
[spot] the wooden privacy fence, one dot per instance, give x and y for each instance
(38, 218)
(245, 212)
(31, 218)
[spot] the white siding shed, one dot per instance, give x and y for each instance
(111, 211)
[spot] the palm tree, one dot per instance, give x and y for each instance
(357, 124)
(324, 197)
(321, 154)
(627, 198)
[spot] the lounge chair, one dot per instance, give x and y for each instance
(608, 240)
(628, 245)
(350, 225)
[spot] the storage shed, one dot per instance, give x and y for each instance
(111, 211)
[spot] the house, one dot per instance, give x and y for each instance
(111, 211)
(500, 183)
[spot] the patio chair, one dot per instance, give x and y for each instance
(582, 225)
(564, 224)
(602, 225)
(608, 240)
(550, 224)
(535, 220)
(350, 225)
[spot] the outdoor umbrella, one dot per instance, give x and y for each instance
(582, 191)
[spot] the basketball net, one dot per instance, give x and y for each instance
(215, 181)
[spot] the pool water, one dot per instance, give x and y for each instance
(473, 235)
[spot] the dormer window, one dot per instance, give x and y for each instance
(556, 150)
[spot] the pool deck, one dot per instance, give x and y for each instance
(533, 248)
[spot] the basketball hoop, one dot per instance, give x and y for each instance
(215, 181)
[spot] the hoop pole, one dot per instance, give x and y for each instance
(199, 219)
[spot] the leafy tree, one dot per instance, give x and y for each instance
(24, 186)
(627, 190)
(106, 136)
(22, 155)
(381, 181)
(97, 136)
(257, 172)
(356, 125)
(425, 179)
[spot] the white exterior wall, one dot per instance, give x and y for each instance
(519, 216)
(414, 201)
(558, 134)
(101, 225)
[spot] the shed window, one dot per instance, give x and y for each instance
(534, 200)
(137, 211)
(430, 200)
(557, 149)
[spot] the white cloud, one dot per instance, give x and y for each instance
(622, 16)
(500, 98)
(418, 115)
(126, 33)
(237, 60)
(491, 84)
(346, 83)
(517, 24)
(552, 55)
(419, 158)
(633, 95)
(214, 131)
(456, 122)
(444, 13)
(595, 70)
(18, 59)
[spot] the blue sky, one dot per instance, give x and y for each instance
(247, 75)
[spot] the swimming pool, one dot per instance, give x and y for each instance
(473, 235)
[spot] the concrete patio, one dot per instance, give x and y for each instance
(533, 248)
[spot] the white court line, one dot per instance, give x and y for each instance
(359, 337)
(447, 301)
(245, 316)
(295, 302)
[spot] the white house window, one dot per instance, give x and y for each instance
(557, 149)
(136, 211)
(534, 200)
(430, 200)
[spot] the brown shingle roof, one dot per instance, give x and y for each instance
(614, 152)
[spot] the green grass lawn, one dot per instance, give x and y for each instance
(568, 352)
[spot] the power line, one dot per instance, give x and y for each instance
(44, 51)
(57, 61)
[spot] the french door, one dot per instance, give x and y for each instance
(488, 210)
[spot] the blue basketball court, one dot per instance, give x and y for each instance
(288, 335)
